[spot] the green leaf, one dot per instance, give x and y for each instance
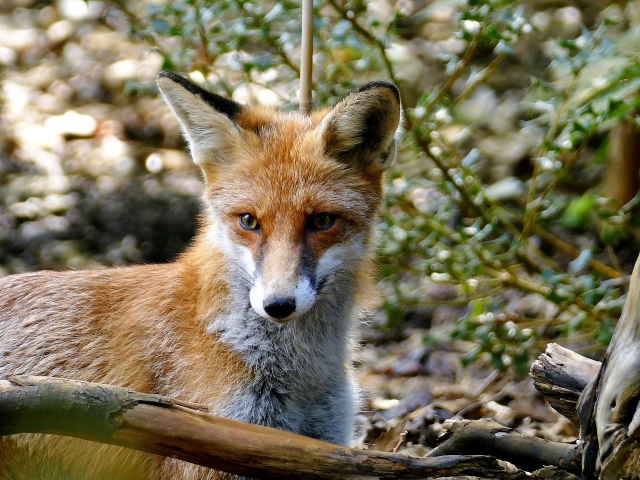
(579, 212)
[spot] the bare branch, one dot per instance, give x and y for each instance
(561, 375)
(487, 437)
(159, 425)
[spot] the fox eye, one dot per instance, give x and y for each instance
(249, 222)
(322, 221)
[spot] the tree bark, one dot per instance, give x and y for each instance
(622, 179)
(486, 437)
(159, 425)
(561, 375)
(609, 409)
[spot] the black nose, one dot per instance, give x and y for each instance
(280, 307)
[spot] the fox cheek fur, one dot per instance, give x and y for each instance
(255, 319)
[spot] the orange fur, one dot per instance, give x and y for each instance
(137, 327)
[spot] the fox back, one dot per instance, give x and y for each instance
(255, 319)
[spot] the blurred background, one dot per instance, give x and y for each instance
(511, 218)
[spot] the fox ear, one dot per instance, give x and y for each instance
(361, 128)
(207, 119)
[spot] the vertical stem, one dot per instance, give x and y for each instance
(307, 55)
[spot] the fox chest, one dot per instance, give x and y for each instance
(298, 377)
(321, 410)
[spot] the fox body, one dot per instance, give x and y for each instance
(255, 319)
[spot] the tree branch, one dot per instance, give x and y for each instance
(159, 425)
(561, 375)
(487, 437)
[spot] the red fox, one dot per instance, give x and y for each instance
(255, 319)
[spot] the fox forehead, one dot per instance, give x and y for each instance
(282, 168)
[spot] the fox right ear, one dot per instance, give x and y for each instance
(206, 118)
(360, 130)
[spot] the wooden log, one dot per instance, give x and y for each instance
(561, 375)
(486, 437)
(159, 425)
(621, 181)
(609, 409)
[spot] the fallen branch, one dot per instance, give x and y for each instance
(561, 375)
(159, 425)
(486, 437)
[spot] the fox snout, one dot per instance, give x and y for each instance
(279, 307)
(280, 302)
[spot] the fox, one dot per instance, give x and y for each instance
(256, 319)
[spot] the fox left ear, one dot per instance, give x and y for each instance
(208, 120)
(361, 128)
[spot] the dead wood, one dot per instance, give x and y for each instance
(486, 437)
(156, 424)
(561, 375)
(609, 408)
(603, 399)
(621, 180)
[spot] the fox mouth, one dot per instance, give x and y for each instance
(282, 321)
(279, 317)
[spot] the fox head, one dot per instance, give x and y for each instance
(291, 199)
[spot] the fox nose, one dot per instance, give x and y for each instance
(280, 307)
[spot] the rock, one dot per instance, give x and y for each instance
(7, 56)
(251, 94)
(36, 136)
(542, 21)
(478, 108)
(19, 38)
(72, 124)
(507, 189)
(509, 149)
(141, 69)
(567, 22)
(122, 71)
(60, 31)
(80, 10)
(442, 364)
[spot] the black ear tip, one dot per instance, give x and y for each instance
(379, 84)
(221, 104)
(170, 75)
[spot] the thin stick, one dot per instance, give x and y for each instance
(307, 55)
